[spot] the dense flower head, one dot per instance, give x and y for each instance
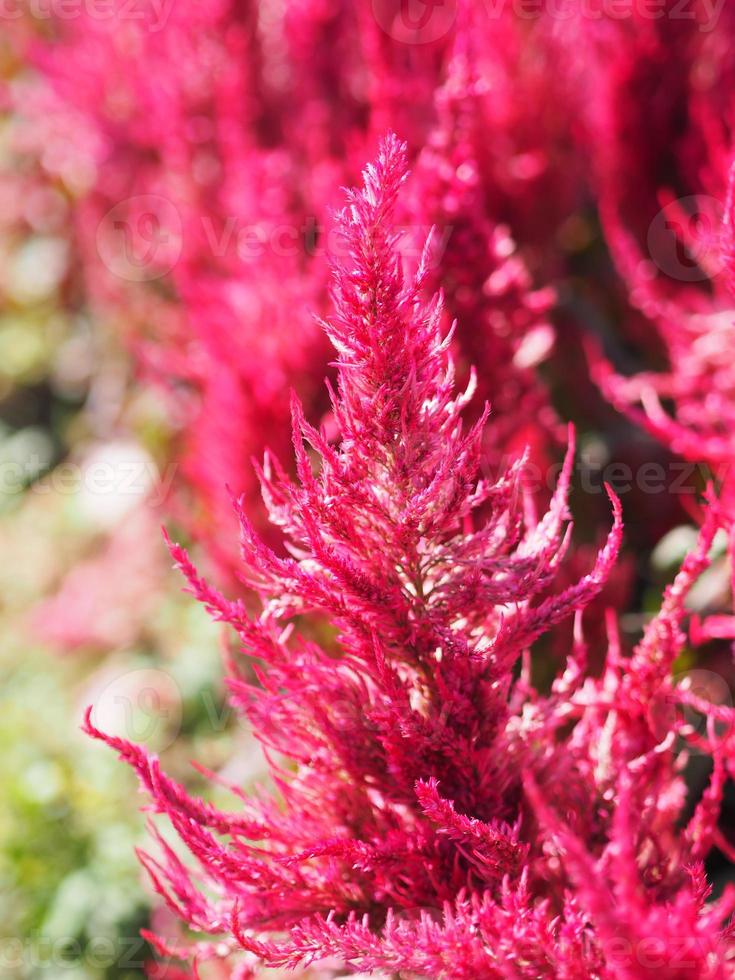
(433, 811)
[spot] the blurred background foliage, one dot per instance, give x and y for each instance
(72, 893)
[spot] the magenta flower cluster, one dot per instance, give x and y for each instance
(436, 814)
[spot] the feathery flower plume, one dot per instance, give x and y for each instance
(435, 813)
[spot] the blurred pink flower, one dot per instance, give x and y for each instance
(105, 601)
(218, 140)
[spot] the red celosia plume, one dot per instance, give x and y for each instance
(433, 812)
